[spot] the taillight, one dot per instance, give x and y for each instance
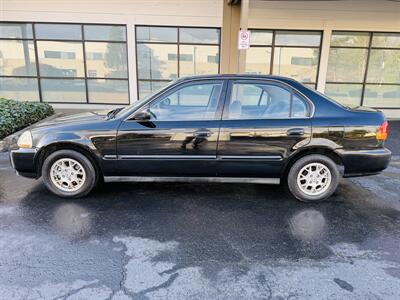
(382, 131)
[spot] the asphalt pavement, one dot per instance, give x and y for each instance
(201, 241)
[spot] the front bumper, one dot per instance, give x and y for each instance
(23, 161)
(364, 162)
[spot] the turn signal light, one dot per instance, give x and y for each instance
(382, 131)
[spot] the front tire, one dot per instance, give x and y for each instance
(69, 174)
(313, 178)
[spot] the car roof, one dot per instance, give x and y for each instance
(233, 76)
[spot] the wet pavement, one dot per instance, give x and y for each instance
(200, 241)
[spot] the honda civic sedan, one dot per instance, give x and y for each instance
(220, 128)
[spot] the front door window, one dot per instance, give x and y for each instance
(191, 102)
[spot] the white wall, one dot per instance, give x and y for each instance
(129, 12)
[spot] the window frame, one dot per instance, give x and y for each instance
(273, 45)
(369, 47)
(177, 43)
(308, 103)
(86, 78)
(171, 89)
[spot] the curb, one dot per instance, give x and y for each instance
(10, 142)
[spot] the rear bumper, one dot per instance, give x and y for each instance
(364, 162)
(23, 161)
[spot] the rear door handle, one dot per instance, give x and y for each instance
(202, 133)
(295, 132)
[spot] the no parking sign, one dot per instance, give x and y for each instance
(244, 40)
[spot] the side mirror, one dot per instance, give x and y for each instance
(142, 116)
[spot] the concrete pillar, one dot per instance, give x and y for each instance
(235, 17)
(323, 64)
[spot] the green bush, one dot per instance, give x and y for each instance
(16, 115)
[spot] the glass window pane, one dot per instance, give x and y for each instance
(386, 40)
(297, 38)
(63, 90)
(346, 65)
(258, 60)
(16, 30)
(157, 61)
(298, 63)
(105, 32)
(384, 66)
(108, 91)
(156, 34)
(261, 37)
(147, 88)
(17, 58)
(350, 39)
(199, 35)
(382, 95)
(197, 60)
(58, 31)
(299, 107)
(24, 89)
(60, 59)
(106, 60)
(194, 102)
(255, 101)
(347, 94)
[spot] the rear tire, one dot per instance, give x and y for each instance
(69, 174)
(313, 177)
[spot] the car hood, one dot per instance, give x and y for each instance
(75, 119)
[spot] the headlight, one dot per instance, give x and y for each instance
(25, 140)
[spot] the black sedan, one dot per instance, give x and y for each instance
(221, 128)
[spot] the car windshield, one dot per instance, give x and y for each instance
(139, 103)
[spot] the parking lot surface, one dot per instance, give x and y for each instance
(200, 241)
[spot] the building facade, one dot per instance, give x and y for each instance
(97, 54)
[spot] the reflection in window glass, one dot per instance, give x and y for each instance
(258, 60)
(107, 60)
(386, 40)
(16, 30)
(383, 66)
(261, 37)
(194, 102)
(105, 33)
(63, 90)
(346, 94)
(60, 59)
(203, 60)
(254, 101)
(156, 34)
(17, 58)
(153, 61)
(299, 107)
(297, 38)
(382, 96)
(350, 39)
(104, 91)
(346, 65)
(298, 63)
(147, 88)
(58, 31)
(24, 89)
(199, 35)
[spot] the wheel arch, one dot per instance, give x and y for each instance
(308, 151)
(45, 151)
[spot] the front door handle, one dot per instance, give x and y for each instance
(202, 133)
(295, 132)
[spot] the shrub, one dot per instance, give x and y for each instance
(16, 115)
